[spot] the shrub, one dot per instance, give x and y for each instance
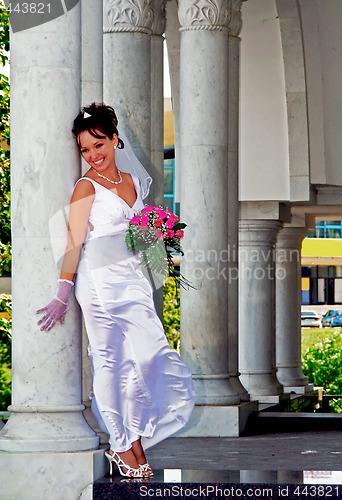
(171, 315)
(5, 350)
(322, 364)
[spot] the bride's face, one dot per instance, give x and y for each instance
(98, 153)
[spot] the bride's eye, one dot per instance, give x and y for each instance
(99, 145)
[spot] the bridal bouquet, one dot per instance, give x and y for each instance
(155, 232)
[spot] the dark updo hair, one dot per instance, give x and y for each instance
(102, 119)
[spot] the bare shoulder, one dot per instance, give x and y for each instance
(83, 189)
(127, 177)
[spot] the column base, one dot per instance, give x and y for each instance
(304, 389)
(239, 388)
(218, 421)
(54, 476)
(93, 423)
(291, 376)
(261, 384)
(215, 390)
(39, 429)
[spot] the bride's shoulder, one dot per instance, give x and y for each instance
(84, 187)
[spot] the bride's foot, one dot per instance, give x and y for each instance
(141, 458)
(126, 458)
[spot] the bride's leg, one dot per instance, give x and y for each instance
(141, 457)
(139, 452)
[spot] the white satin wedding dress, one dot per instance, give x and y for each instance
(141, 387)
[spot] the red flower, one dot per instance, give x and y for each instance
(158, 222)
(179, 233)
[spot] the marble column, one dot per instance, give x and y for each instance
(92, 52)
(173, 36)
(91, 91)
(157, 122)
(233, 196)
(46, 413)
(157, 102)
(127, 28)
(257, 307)
(204, 198)
(288, 306)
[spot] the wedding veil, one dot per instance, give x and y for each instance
(126, 161)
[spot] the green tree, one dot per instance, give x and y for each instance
(322, 364)
(5, 221)
(171, 316)
(5, 350)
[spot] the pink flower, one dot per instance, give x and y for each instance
(135, 220)
(143, 227)
(159, 234)
(158, 222)
(144, 220)
(147, 210)
(162, 214)
(169, 233)
(169, 224)
(179, 233)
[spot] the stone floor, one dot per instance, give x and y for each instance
(295, 459)
(284, 451)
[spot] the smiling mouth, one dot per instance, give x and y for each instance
(99, 162)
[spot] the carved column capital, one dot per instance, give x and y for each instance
(134, 16)
(204, 14)
(235, 23)
(159, 18)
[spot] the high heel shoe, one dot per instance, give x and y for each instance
(115, 459)
(146, 469)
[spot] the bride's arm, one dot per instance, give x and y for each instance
(80, 206)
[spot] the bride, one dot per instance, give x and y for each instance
(143, 392)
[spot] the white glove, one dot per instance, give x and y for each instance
(57, 307)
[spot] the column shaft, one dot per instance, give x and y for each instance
(127, 70)
(288, 306)
(256, 307)
(233, 197)
(157, 102)
(204, 202)
(46, 414)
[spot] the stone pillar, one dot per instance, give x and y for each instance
(173, 37)
(233, 195)
(204, 197)
(257, 299)
(157, 102)
(91, 91)
(92, 52)
(46, 414)
(127, 69)
(288, 306)
(157, 122)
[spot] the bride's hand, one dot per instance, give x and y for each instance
(53, 311)
(56, 309)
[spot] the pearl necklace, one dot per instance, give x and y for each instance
(107, 179)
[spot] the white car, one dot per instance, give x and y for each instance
(310, 318)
